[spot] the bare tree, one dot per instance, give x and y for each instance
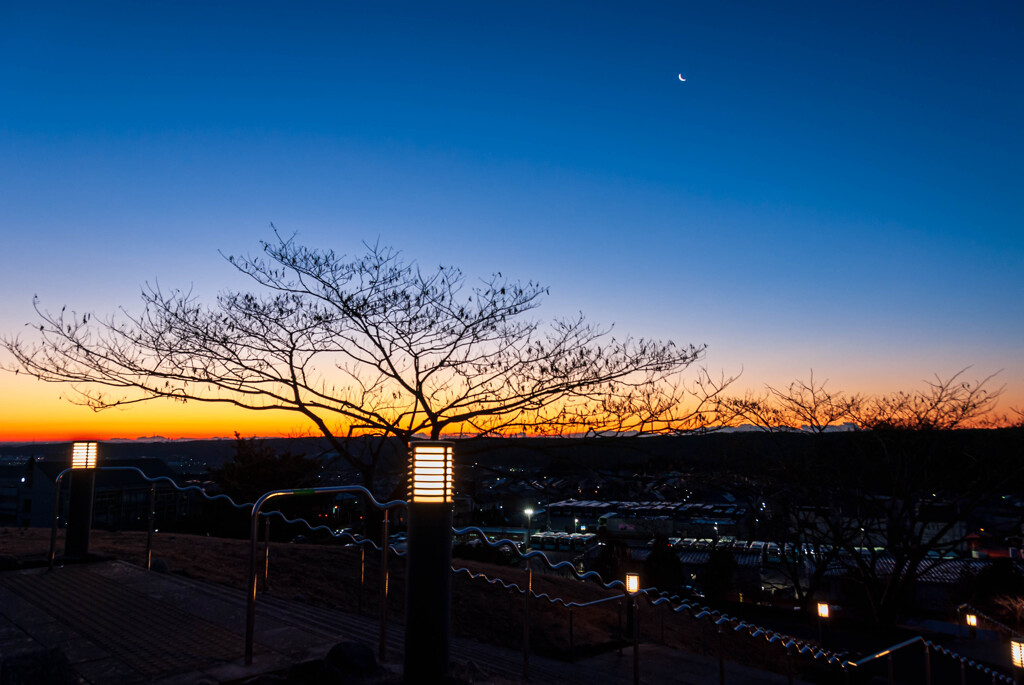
(888, 502)
(803, 405)
(372, 344)
(944, 404)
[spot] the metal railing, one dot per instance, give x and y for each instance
(153, 480)
(963, 609)
(795, 647)
(383, 548)
(674, 604)
(928, 645)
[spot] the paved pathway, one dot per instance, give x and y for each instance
(117, 623)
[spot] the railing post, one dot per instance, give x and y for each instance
(721, 655)
(620, 634)
(526, 621)
(150, 524)
(362, 579)
(636, 641)
(892, 671)
(266, 553)
(927, 665)
(250, 608)
(572, 655)
(382, 647)
(56, 518)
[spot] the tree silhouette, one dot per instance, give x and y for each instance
(893, 503)
(662, 567)
(366, 345)
(256, 468)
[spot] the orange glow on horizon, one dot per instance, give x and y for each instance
(34, 411)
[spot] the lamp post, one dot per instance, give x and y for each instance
(1017, 658)
(429, 555)
(822, 617)
(632, 588)
(83, 485)
(527, 593)
(575, 526)
(972, 624)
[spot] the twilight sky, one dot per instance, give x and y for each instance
(835, 186)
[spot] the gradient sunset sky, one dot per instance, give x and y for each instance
(835, 186)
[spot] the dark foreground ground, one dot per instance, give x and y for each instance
(112, 621)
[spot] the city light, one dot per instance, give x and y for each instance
(632, 583)
(822, 610)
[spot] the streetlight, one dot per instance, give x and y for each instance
(823, 610)
(1017, 657)
(526, 599)
(971, 621)
(83, 485)
(429, 555)
(575, 526)
(632, 588)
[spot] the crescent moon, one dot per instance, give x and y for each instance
(681, 77)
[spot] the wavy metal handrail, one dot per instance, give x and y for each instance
(250, 614)
(988, 619)
(535, 554)
(928, 644)
(803, 647)
(543, 595)
(212, 498)
(150, 479)
(696, 610)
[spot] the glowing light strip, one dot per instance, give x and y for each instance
(83, 455)
(1017, 651)
(432, 472)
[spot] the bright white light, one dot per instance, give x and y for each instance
(83, 455)
(431, 472)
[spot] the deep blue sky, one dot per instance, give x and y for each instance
(835, 186)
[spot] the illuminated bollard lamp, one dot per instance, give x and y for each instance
(632, 588)
(972, 624)
(429, 559)
(823, 616)
(83, 485)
